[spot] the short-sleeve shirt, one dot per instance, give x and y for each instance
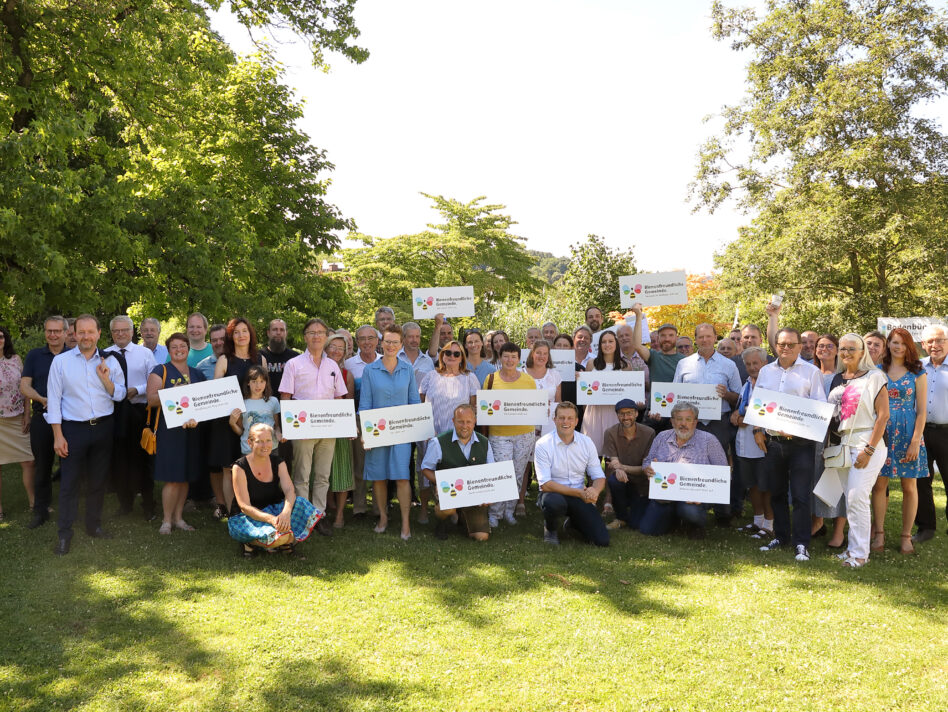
(259, 411)
(11, 401)
(36, 367)
(305, 380)
(445, 393)
(662, 366)
(629, 452)
(195, 356)
(523, 383)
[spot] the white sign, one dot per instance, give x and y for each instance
(477, 484)
(564, 361)
(523, 358)
(779, 412)
(703, 395)
(309, 419)
(914, 325)
(652, 290)
(202, 401)
(396, 424)
(682, 482)
(830, 487)
(609, 387)
(450, 301)
(519, 407)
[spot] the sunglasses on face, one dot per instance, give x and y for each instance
(453, 354)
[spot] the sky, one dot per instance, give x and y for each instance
(579, 117)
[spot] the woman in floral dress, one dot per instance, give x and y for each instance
(907, 457)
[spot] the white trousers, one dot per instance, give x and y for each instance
(858, 500)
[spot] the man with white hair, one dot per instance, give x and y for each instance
(150, 330)
(129, 470)
(549, 331)
(935, 342)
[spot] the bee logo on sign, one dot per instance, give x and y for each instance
(588, 388)
(666, 480)
(452, 489)
(763, 409)
(295, 420)
(376, 428)
(663, 399)
(177, 406)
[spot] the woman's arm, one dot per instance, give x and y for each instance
(153, 385)
(878, 428)
(350, 386)
(220, 368)
(921, 413)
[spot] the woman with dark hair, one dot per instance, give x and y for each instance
(14, 417)
(568, 388)
(177, 450)
(599, 418)
(827, 349)
(476, 351)
(498, 339)
(240, 353)
(907, 458)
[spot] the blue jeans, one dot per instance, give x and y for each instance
(628, 504)
(659, 516)
(791, 465)
(583, 516)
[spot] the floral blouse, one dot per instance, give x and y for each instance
(11, 400)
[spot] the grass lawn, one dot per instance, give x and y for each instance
(368, 622)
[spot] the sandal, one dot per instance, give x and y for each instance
(183, 526)
(165, 528)
(851, 563)
(911, 547)
(247, 551)
(875, 537)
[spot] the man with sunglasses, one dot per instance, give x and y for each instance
(790, 459)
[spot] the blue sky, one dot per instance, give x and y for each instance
(579, 117)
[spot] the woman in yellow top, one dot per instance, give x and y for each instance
(510, 442)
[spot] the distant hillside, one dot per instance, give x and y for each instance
(548, 267)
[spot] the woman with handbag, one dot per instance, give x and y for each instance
(178, 456)
(862, 411)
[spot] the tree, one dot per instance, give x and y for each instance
(473, 247)
(548, 267)
(145, 164)
(705, 305)
(592, 278)
(829, 148)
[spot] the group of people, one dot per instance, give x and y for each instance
(92, 407)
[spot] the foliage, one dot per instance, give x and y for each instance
(516, 315)
(548, 267)
(368, 622)
(472, 247)
(592, 278)
(145, 166)
(830, 148)
(705, 305)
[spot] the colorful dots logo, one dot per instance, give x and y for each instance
(638, 288)
(762, 408)
(631, 291)
(666, 481)
(626, 289)
(295, 420)
(177, 406)
(491, 407)
(483, 405)
(588, 388)
(375, 428)
(452, 489)
(664, 399)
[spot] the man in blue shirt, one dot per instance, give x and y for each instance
(84, 385)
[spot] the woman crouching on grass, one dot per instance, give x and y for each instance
(266, 513)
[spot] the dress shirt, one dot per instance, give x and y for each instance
(140, 361)
(161, 354)
(207, 366)
(304, 379)
(421, 365)
(702, 448)
(802, 379)
(75, 391)
(718, 370)
(937, 391)
(566, 463)
(355, 365)
(433, 450)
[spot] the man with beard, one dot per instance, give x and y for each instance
(277, 353)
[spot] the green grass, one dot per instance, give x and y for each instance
(367, 622)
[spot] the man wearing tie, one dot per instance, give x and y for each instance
(84, 385)
(130, 473)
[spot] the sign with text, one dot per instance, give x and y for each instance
(609, 387)
(913, 325)
(450, 301)
(564, 361)
(683, 482)
(477, 484)
(202, 401)
(793, 415)
(652, 290)
(703, 395)
(308, 419)
(520, 407)
(396, 425)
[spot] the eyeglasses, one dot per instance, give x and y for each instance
(848, 349)
(314, 333)
(824, 347)
(781, 345)
(388, 342)
(936, 341)
(453, 354)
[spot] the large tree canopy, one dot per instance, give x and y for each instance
(833, 151)
(142, 162)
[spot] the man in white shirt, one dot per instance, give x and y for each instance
(562, 461)
(791, 460)
(130, 473)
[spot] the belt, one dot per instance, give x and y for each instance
(91, 421)
(936, 426)
(783, 438)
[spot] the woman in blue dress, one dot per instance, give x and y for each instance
(387, 382)
(908, 459)
(178, 459)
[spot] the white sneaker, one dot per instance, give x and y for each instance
(802, 553)
(772, 546)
